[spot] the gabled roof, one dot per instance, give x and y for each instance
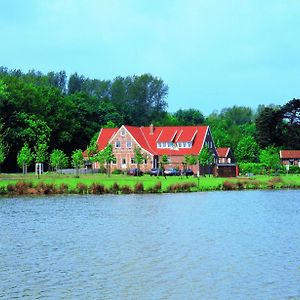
(148, 139)
(174, 133)
(286, 154)
(104, 136)
(223, 152)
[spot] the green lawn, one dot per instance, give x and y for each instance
(203, 183)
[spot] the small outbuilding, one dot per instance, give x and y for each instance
(290, 157)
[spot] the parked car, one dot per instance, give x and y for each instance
(172, 172)
(135, 172)
(187, 172)
(156, 172)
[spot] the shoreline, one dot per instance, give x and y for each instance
(113, 187)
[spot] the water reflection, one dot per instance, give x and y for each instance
(219, 245)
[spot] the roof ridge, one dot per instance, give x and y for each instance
(146, 140)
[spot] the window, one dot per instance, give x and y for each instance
(123, 132)
(145, 161)
(123, 161)
(132, 160)
(128, 144)
(114, 161)
(118, 144)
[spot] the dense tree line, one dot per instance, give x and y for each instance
(51, 111)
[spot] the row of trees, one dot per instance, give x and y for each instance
(53, 111)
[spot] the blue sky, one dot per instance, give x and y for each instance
(212, 54)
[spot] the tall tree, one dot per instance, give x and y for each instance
(77, 160)
(58, 159)
(109, 157)
(138, 157)
(270, 158)
(247, 150)
(75, 83)
(189, 117)
(24, 158)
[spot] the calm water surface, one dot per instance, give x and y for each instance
(217, 245)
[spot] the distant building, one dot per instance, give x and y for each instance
(290, 157)
(225, 156)
(173, 141)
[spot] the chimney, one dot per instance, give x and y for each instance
(151, 127)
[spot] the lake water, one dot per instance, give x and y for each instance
(216, 245)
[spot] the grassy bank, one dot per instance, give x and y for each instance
(16, 184)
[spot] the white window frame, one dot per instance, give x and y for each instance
(128, 144)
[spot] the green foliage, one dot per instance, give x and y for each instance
(253, 168)
(205, 157)
(24, 158)
(164, 160)
(270, 158)
(58, 159)
(190, 160)
(40, 152)
(247, 150)
(109, 157)
(138, 156)
(2, 151)
(77, 160)
(189, 117)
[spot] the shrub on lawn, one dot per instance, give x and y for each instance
(22, 187)
(229, 186)
(46, 189)
(138, 188)
(156, 188)
(274, 182)
(126, 189)
(114, 189)
(63, 188)
(3, 190)
(97, 188)
(81, 188)
(117, 172)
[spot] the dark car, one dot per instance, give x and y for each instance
(135, 172)
(187, 172)
(156, 172)
(172, 172)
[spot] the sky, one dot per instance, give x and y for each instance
(212, 54)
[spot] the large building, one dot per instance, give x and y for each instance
(173, 141)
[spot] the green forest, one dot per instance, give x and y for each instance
(56, 112)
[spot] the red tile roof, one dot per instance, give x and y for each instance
(104, 136)
(187, 131)
(148, 141)
(286, 154)
(223, 152)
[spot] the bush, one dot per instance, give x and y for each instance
(126, 189)
(181, 187)
(114, 189)
(138, 188)
(97, 188)
(117, 172)
(156, 188)
(43, 188)
(229, 186)
(82, 188)
(275, 182)
(63, 189)
(22, 187)
(254, 168)
(3, 190)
